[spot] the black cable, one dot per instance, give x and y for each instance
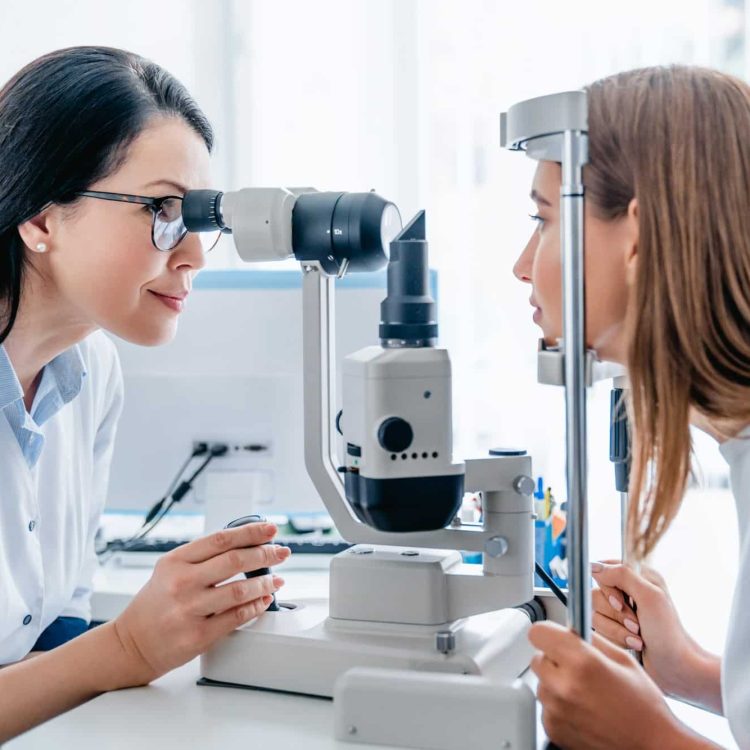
(200, 450)
(184, 487)
(556, 590)
(165, 504)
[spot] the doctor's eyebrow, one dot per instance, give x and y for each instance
(540, 199)
(176, 185)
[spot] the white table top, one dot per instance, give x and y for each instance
(173, 709)
(173, 713)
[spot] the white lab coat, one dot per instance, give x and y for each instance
(49, 512)
(735, 666)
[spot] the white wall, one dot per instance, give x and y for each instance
(403, 96)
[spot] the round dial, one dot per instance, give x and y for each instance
(395, 435)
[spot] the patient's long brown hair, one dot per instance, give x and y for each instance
(678, 140)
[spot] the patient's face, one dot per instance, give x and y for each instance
(608, 245)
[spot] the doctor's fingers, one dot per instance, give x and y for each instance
(235, 561)
(219, 599)
(604, 599)
(223, 624)
(208, 547)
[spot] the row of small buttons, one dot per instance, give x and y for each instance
(28, 618)
(404, 456)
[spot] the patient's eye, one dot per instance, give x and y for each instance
(538, 219)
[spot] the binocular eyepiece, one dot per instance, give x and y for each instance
(341, 231)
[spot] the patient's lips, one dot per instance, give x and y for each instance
(537, 310)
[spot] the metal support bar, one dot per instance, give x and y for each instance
(571, 207)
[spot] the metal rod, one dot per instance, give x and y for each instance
(319, 391)
(571, 207)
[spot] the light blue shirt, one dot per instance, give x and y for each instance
(54, 468)
(61, 382)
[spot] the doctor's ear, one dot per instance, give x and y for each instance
(631, 228)
(36, 233)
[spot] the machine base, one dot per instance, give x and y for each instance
(303, 650)
(433, 711)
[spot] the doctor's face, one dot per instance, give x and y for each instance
(102, 262)
(608, 245)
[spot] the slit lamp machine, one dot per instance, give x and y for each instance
(411, 637)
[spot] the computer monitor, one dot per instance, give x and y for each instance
(232, 374)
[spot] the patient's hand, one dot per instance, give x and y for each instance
(678, 665)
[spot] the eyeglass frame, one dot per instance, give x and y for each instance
(144, 200)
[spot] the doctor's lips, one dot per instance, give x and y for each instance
(173, 300)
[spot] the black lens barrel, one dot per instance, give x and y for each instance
(333, 227)
(200, 210)
(408, 314)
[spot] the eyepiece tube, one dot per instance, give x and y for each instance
(201, 211)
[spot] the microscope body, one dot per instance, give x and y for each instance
(400, 474)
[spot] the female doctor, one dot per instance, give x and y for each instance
(97, 146)
(667, 225)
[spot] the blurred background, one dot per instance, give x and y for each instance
(403, 96)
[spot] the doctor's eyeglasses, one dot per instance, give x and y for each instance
(167, 226)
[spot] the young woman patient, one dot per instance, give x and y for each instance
(667, 226)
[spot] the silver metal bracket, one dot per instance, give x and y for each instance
(535, 125)
(551, 366)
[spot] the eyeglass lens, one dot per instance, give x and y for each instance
(169, 228)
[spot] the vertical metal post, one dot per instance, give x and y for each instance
(571, 208)
(624, 505)
(319, 392)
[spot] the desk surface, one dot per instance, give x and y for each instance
(174, 709)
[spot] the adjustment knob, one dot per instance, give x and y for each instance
(395, 435)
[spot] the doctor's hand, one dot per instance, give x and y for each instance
(183, 608)
(678, 665)
(597, 697)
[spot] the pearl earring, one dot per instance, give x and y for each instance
(41, 247)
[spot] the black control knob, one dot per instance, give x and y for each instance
(273, 606)
(395, 435)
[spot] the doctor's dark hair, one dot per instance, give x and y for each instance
(677, 139)
(66, 121)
